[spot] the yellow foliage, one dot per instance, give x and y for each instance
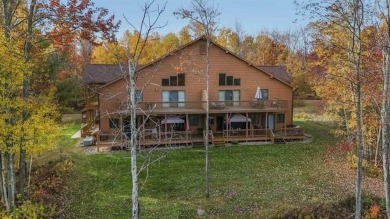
(135, 48)
(29, 120)
(110, 53)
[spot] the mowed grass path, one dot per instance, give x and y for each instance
(245, 181)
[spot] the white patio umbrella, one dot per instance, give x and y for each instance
(239, 118)
(172, 120)
(258, 93)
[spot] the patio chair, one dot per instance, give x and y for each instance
(218, 105)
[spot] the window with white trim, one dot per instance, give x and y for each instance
(173, 98)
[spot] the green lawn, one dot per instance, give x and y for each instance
(68, 129)
(245, 181)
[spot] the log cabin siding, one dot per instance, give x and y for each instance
(188, 60)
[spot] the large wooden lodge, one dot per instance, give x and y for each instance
(246, 102)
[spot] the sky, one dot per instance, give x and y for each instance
(253, 15)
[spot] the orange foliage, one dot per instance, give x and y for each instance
(374, 210)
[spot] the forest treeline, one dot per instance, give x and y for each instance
(341, 57)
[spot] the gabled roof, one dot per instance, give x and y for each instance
(279, 72)
(102, 73)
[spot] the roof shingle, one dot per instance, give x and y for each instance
(279, 72)
(102, 73)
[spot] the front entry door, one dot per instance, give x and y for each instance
(220, 120)
(271, 121)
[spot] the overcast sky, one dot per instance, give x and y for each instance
(253, 15)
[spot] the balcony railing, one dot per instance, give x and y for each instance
(92, 103)
(216, 105)
(146, 137)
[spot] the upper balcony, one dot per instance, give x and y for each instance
(214, 107)
(92, 104)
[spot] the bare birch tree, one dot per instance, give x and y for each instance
(149, 23)
(206, 16)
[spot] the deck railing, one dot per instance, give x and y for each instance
(91, 101)
(246, 133)
(110, 137)
(86, 129)
(151, 137)
(156, 135)
(146, 135)
(293, 131)
(214, 105)
(271, 135)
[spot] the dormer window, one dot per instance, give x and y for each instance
(175, 80)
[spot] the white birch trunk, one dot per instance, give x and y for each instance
(4, 183)
(356, 58)
(133, 141)
(11, 180)
(384, 125)
(359, 172)
(207, 192)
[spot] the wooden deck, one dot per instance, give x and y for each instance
(185, 138)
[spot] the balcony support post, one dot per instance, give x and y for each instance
(246, 125)
(285, 125)
(266, 123)
(165, 128)
(187, 124)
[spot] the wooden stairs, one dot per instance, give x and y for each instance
(279, 140)
(212, 140)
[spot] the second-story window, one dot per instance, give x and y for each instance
(230, 97)
(114, 123)
(175, 80)
(173, 98)
(138, 96)
(264, 94)
(226, 80)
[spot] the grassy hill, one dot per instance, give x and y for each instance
(246, 181)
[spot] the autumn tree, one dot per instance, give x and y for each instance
(155, 47)
(184, 36)
(28, 27)
(169, 42)
(228, 39)
(108, 53)
(349, 17)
